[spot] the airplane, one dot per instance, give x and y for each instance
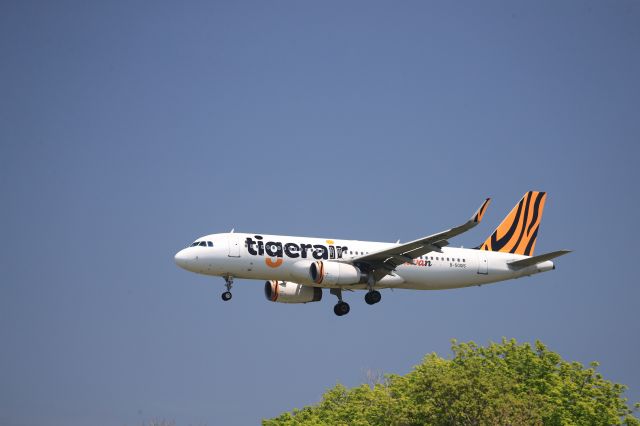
(297, 269)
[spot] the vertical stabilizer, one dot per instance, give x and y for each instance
(518, 231)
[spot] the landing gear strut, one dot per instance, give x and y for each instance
(373, 296)
(226, 296)
(341, 308)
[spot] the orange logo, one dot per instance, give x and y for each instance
(273, 264)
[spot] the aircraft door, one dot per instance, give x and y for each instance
(234, 245)
(483, 265)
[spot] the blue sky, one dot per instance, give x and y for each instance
(128, 129)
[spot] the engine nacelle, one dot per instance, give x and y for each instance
(299, 272)
(286, 292)
(332, 273)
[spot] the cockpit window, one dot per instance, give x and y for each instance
(202, 244)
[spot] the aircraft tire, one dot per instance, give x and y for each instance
(226, 296)
(341, 308)
(372, 297)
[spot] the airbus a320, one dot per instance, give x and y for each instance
(298, 269)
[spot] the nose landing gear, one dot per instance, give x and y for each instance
(226, 296)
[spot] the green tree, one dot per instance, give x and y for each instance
(500, 384)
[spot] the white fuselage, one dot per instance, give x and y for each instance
(284, 258)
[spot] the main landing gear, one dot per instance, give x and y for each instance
(226, 296)
(341, 308)
(372, 297)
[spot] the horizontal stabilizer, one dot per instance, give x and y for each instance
(519, 264)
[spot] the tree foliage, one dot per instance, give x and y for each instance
(500, 384)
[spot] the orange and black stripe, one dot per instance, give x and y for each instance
(518, 231)
(319, 272)
(272, 290)
(478, 217)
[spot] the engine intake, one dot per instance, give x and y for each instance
(332, 273)
(286, 292)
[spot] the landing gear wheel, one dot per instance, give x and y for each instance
(228, 283)
(341, 308)
(372, 297)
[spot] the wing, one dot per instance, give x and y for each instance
(385, 261)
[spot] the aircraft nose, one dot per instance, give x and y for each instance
(182, 259)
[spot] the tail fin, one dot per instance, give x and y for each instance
(518, 231)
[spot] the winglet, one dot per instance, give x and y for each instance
(477, 216)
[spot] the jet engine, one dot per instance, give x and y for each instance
(286, 292)
(332, 273)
